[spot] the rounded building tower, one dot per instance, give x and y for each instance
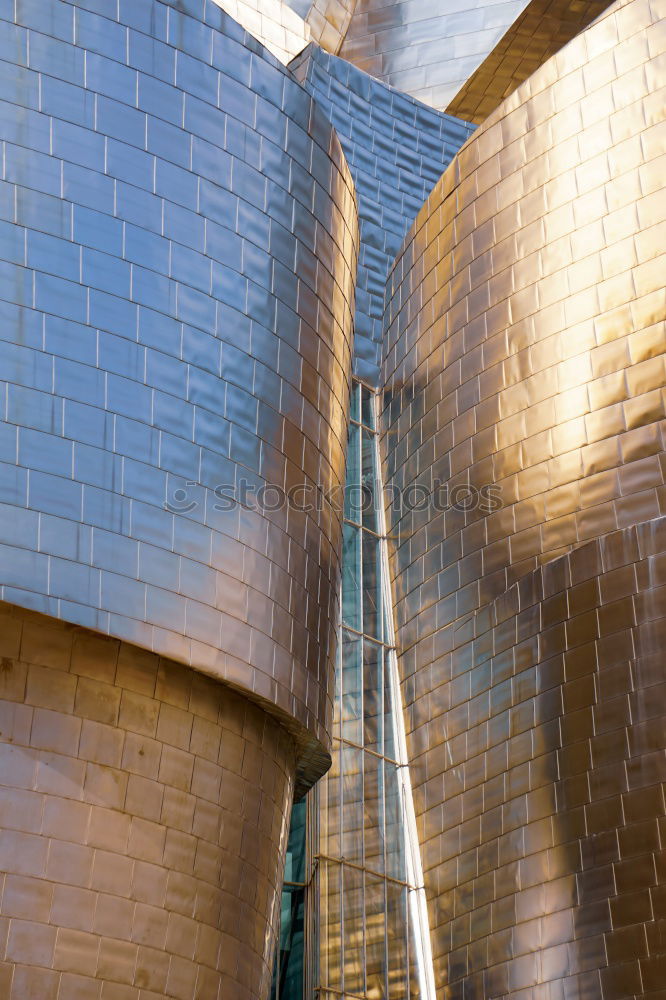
(524, 397)
(178, 232)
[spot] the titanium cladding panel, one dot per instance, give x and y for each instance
(396, 149)
(540, 31)
(524, 350)
(329, 21)
(551, 878)
(179, 231)
(427, 48)
(145, 812)
(273, 23)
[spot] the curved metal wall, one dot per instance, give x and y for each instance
(144, 814)
(274, 23)
(427, 48)
(329, 21)
(179, 233)
(525, 350)
(396, 149)
(551, 878)
(537, 34)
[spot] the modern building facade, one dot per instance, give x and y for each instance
(396, 149)
(524, 347)
(179, 238)
(332, 447)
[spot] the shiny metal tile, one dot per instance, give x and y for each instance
(169, 280)
(508, 364)
(396, 148)
(540, 31)
(426, 48)
(144, 812)
(278, 24)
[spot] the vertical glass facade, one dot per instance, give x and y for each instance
(289, 973)
(369, 939)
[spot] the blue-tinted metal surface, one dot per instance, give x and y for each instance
(302, 7)
(397, 149)
(428, 48)
(177, 256)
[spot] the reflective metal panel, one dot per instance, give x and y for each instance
(329, 22)
(176, 297)
(550, 874)
(540, 31)
(426, 48)
(144, 813)
(523, 417)
(396, 149)
(277, 24)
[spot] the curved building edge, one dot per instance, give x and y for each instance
(524, 351)
(278, 25)
(396, 149)
(145, 813)
(179, 324)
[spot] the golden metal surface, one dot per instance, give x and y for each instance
(328, 21)
(144, 813)
(273, 23)
(545, 845)
(537, 34)
(526, 350)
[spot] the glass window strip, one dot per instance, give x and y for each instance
(366, 925)
(351, 864)
(368, 821)
(417, 898)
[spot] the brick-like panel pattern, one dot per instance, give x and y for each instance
(427, 48)
(272, 22)
(396, 149)
(537, 34)
(547, 848)
(525, 344)
(144, 810)
(525, 351)
(177, 258)
(329, 21)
